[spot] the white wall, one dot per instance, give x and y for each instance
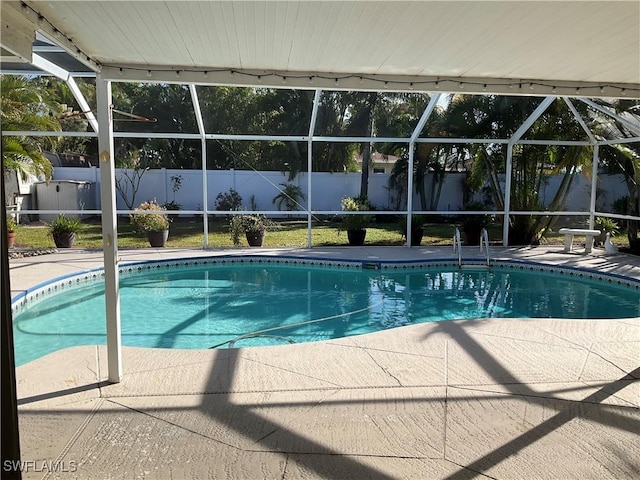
(328, 188)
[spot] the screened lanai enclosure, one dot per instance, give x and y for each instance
(202, 142)
(500, 96)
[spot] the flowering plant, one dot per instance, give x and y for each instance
(149, 222)
(355, 222)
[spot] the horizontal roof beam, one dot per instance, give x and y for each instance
(366, 82)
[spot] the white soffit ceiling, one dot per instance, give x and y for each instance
(568, 42)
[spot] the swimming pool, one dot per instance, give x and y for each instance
(236, 302)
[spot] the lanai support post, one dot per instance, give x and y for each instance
(109, 228)
(412, 149)
(507, 195)
(312, 127)
(594, 185)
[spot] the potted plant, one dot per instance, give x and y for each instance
(355, 225)
(153, 224)
(472, 225)
(63, 230)
(417, 228)
(12, 229)
(605, 225)
(253, 226)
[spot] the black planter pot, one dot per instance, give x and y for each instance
(416, 237)
(64, 239)
(472, 235)
(158, 239)
(356, 237)
(255, 239)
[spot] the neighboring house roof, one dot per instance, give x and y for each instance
(378, 158)
(72, 160)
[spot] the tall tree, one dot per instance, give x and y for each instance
(362, 122)
(170, 109)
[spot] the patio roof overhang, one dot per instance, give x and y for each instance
(535, 48)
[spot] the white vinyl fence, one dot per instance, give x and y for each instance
(327, 189)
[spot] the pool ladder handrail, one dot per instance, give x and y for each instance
(457, 245)
(484, 245)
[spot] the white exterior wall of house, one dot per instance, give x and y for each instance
(328, 188)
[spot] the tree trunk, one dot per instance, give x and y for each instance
(366, 146)
(366, 159)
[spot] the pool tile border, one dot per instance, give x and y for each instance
(58, 284)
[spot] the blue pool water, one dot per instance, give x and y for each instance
(242, 305)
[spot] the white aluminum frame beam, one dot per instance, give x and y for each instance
(580, 120)
(109, 229)
(59, 72)
(305, 138)
(620, 141)
(82, 102)
(433, 101)
(203, 143)
(631, 126)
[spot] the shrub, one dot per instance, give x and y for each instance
(230, 200)
(290, 197)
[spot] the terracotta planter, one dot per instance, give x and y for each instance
(255, 239)
(11, 239)
(158, 239)
(64, 240)
(356, 237)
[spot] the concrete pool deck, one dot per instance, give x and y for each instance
(496, 398)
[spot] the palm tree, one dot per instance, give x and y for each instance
(26, 107)
(290, 196)
(499, 117)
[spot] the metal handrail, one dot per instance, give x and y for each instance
(484, 244)
(457, 244)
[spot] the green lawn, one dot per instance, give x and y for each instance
(188, 233)
(285, 233)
